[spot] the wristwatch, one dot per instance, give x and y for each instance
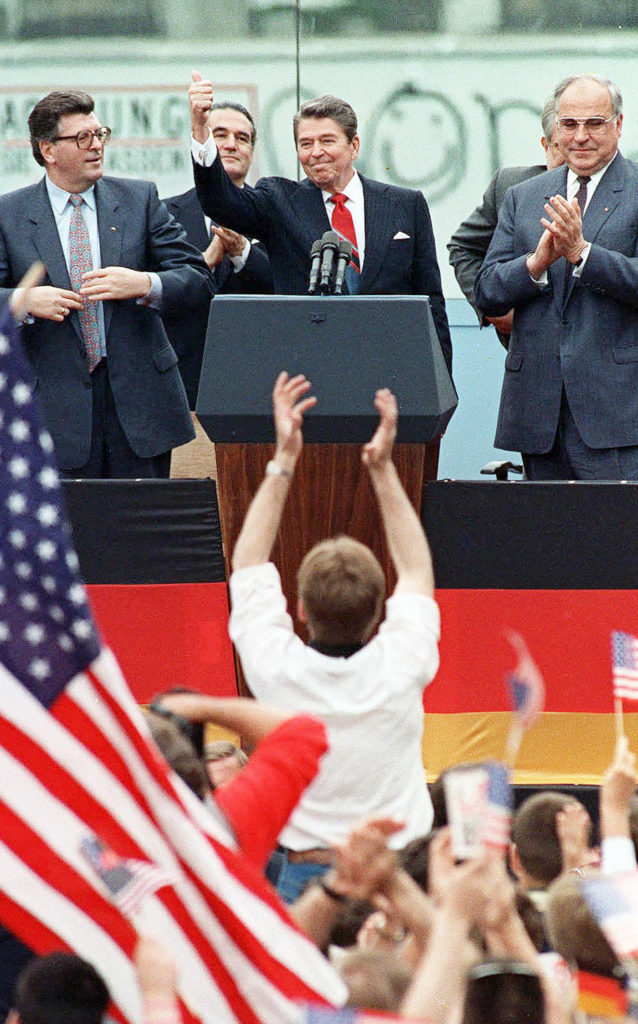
(274, 469)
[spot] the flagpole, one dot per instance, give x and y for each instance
(618, 717)
(513, 743)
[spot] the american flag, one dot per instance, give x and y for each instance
(525, 684)
(613, 901)
(76, 762)
(624, 665)
(498, 811)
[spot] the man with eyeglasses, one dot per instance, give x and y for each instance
(115, 258)
(564, 256)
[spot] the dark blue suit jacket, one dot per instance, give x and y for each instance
(186, 331)
(288, 216)
(576, 333)
(135, 231)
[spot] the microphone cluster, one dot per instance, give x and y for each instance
(329, 257)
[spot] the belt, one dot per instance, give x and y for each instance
(320, 855)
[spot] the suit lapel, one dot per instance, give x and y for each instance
(110, 221)
(46, 241)
(46, 238)
(601, 206)
(605, 199)
(379, 221)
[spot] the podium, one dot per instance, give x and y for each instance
(348, 346)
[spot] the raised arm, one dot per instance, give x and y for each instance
(251, 719)
(290, 401)
(407, 543)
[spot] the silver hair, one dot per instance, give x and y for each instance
(548, 118)
(612, 88)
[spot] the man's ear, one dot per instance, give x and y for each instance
(515, 861)
(301, 611)
(46, 149)
(13, 1017)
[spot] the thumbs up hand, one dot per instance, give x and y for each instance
(200, 95)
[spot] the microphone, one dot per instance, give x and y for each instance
(329, 247)
(315, 260)
(343, 259)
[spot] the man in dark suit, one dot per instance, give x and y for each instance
(113, 398)
(391, 226)
(564, 257)
(469, 243)
(239, 266)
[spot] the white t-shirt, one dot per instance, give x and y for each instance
(370, 702)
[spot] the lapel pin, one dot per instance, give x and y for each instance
(113, 229)
(606, 209)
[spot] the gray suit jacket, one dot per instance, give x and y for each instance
(135, 231)
(580, 333)
(470, 242)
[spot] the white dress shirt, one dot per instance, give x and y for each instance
(354, 203)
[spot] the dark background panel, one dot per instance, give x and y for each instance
(146, 531)
(520, 535)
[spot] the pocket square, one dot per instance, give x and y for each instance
(400, 234)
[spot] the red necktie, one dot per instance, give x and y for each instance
(343, 224)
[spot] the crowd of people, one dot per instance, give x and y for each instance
(332, 803)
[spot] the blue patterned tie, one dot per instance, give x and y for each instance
(81, 261)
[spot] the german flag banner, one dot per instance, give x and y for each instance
(558, 564)
(151, 555)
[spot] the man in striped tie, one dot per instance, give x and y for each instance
(107, 376)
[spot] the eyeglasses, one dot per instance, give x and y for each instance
(84, 140)
(592, 125)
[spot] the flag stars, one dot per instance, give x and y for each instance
(48, 583)
(56, 613)
(17, 539)
(4, 345)
(5, 634)
(65, 642)
(34, 634)
(28, 601)
(47, 515)
(76, 594)
(40, 668)
(46, 550)
(3, 595)
(19, 468)
(16, 503)
(72, 560)
(82, 629)
(19, 430)
(46, 442)
(21, 393)
(48, 478)
(23, 570)
(3, 381)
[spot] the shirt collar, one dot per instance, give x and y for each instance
(59, 197)
(353, 190)
(572, 177)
